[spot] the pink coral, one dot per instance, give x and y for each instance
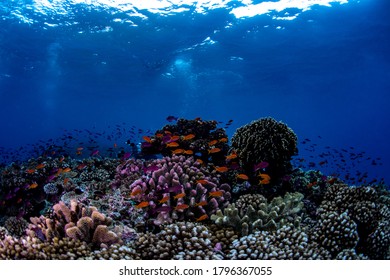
(178, 187)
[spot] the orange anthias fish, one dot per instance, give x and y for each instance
(30, 171)
(233, 155)
(223, 140)
(214, 150)
(181, 207)
(201, 218)
(202, 181)
(142, 205)
(175, 138)
(242, 176)
(172, 144)
(216, 193)
(147, 139)
(188, 137)
(199, 161)
(40, 166)
(68, 169)
(201, 203)
(136, 192)
(180, 195)
(189, 152)
(33, 186)
(178, 151)
(164, 199)
(265, 179)
(213, 142)
(221, 169)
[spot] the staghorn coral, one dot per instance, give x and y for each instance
(181, 240)
(261, 215)
(77, 222)
(265, 140)
(287, 243)
(171, 190)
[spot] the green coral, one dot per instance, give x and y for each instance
(266, 216)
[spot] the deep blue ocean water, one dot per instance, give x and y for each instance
(111, 71)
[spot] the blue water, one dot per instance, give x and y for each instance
(324, 71)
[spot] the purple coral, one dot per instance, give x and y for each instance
(178, 187)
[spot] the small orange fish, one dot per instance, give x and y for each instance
(214, 150)
(216, 193)
(30, 171)
(164, 199)
(172, 144)
(311, 184)
(61, 159)
(199, 161)
(81, 166)
(221, 169)
(115, 145)
(167, 132)
(264, 176)
(180, 195)
(201, 203)
(213, 142)
(233, 155)
(201, 218)
(159, 135)
(265, 179)
(223, 140)
(142, 205)
(40, 166)
(178, 151)
(188, 137)
(66, 170)
(181, 207)
(202, 182)
(136, 192)
(189, 152)
(80, 149)
(79, 153)
(66, 180)
(147, 139)
(33, 186)
(175, 138)
(242, 177)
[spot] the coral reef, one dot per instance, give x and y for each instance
(76, 222)
(180, 241)
(285, 243)
(178, 188)
(201, 198)
(260, 215)
(265, 140)
(190, 137)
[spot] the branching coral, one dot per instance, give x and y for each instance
(265, 140)
(175, 188)
(76, 222)
(261, 216)
(287, 243)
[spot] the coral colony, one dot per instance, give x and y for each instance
(189, 192)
